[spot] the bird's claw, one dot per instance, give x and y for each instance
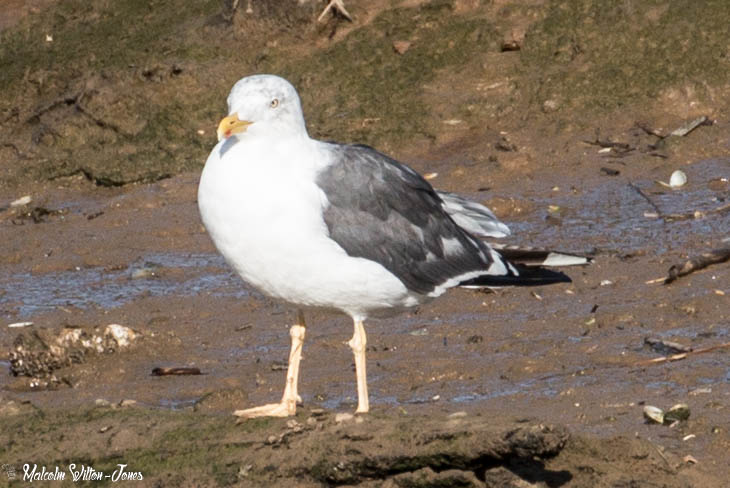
(283, 409)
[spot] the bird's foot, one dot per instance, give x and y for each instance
(283, 409)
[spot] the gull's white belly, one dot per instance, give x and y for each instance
(267, 222)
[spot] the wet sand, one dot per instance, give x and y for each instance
(567, 354)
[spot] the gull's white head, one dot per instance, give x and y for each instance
(263, 102)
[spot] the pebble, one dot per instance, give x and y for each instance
(123, 335)
(318, 412)
(343, 417)
(25, 200)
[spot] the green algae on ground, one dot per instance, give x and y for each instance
(587, 55)
(160, 444)
(374, 94)
(130, 91)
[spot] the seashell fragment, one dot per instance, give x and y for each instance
(654, 414)
(677, 179)
(679, 411)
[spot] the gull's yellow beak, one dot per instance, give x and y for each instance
(232, 125)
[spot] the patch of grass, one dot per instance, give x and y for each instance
(97, 36)
(361, 90)
(599, 56)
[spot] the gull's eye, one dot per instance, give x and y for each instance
(274, 103)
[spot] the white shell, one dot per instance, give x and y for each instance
(20, 324)
(678, 179)
(25, 200)
(654, 414)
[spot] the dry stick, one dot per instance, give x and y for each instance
(175, 371)
(704, 260)
(677, 357)
(690, 126)
(696, 214)
(645, 197)
(693, 264)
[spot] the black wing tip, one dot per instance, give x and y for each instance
(529, 276)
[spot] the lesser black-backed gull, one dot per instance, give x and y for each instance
(342, 227)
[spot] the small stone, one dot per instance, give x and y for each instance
(25, 200)
(401, 46)
(100, 402)
(143, 273)
(128, 403)
(457, 415)
(550, 106)
(121, 334)
(318, 412)
(244, 471)
(343, 417)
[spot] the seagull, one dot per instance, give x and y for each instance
(338, 226)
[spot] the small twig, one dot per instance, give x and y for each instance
(335, 6)
(65, 100)
(669, 465)
(175, 371)
(690, 126)
(696, 214)
(677, 357)
(695, 263)
(645, 197)
(666, 347)
(652, 132)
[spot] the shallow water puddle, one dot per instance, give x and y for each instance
(616, 216)
(27, 294)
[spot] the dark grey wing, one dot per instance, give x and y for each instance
(382, 210)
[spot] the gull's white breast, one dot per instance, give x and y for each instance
(262, 207)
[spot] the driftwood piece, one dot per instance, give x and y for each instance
(690, 126)
(683, 355)
(175, 371)
(666, 347)
(698, 262)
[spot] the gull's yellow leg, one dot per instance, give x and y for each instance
(288, 404)
(357, 344)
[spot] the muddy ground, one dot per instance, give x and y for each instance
(556, 115)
